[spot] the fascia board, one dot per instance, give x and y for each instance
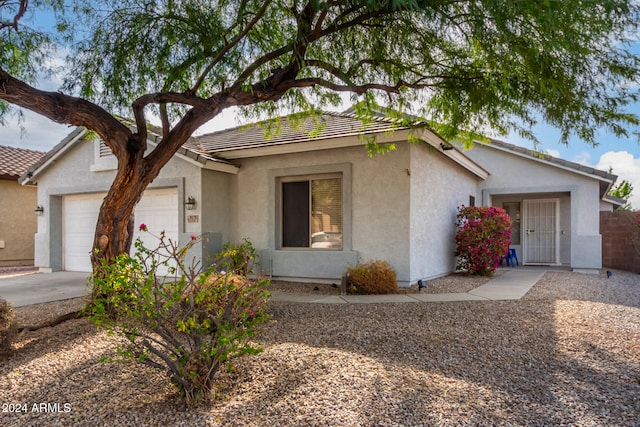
(31, 180)
(454, 154)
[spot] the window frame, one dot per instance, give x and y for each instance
(309, 179)
(278, 176)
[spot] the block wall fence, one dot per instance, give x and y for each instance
(618, 238)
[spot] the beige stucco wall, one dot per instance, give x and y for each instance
(378, 212)
(401, 208)
(438, 187)
(17, 223)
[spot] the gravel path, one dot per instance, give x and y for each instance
(568, 353)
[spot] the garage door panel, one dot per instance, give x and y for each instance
(158, 209)
(80, 215)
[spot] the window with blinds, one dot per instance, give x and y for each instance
(312, 213)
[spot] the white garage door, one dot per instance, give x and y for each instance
(158, 209)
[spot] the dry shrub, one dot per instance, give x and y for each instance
(7, 318)
(373, 277)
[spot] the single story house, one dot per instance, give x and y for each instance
(17, 205)
(314, 202)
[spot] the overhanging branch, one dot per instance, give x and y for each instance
(65, 109)
(161, 98)
(17, 17)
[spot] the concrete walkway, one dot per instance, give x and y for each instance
(45, 287)
(511, 285)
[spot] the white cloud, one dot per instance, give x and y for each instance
(627, 168)
(40, 133)
(583, 158)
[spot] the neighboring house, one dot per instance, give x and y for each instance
(312, 204)
(17, 204)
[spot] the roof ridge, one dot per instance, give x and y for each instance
(374, 118)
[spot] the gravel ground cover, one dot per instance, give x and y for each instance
(568, 353)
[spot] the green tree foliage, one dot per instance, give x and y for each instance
(465, 65)
(623, 191)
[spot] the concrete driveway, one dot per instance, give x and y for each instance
(43, 287)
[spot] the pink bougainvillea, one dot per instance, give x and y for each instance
(483, 238)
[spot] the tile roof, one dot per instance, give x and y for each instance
(15, 161)
(291, 130)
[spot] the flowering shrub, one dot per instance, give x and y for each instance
(7, 317)
(240, 257)
(189, 325)
(483, 238)
(373, 277)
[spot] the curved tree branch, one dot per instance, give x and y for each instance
(66, 109)
(21, 11)
(161, 98)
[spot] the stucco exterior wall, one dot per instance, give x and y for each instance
(527, 178)
(17, 223)
(78, 170)
(376, 220)
(438, 187)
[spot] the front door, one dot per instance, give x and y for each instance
(541, 231)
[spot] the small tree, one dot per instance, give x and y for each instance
(622, 190)
(483, 238)
(190, 325)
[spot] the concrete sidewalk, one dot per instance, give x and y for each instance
(511, 285)
(45, 287)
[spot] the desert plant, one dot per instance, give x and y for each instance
(7, 330)
(483, 238)
(189, 325)
(239, 257)
(373, 277)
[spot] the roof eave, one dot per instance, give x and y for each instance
(551, 161)
(453, 153)
(30, 176)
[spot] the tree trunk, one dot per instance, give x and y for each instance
(114, 229)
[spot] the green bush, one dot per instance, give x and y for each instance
(373, 277)
(239, 257)
(7, 318)
(190, 325)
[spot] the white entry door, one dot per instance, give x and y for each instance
(158, 209)
(541, 237)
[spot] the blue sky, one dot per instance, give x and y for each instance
(623, 155)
